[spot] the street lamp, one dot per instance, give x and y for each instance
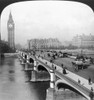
(52, 61)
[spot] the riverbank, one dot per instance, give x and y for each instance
(10, 54)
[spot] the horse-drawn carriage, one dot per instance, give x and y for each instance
(81, 63)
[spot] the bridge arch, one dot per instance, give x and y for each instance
(31, 60)
(41, 68)
(25, 56)
(43, 72)
(65, 85)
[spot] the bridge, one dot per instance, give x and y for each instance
(57, 78)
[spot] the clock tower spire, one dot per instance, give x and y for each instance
(10, 27)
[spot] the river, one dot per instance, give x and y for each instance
(14, 83)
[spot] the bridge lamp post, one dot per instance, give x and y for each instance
(35, 62)
(28, 58)
(52, 79)
(51, 61)
(27, 61)
(35, 65)
(52, 75)
(22, 58)
(19, 55)
(34, 71)
(51, 94)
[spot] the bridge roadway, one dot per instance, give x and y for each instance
(70, 74)
(84, 73)
(70, 78)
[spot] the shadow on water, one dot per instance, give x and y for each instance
(10, 61)
(40, 88)
(1, 62)
(11, 75)
(7, 61)
(7, 64)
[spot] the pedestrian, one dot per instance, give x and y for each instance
(62, 65)
(89, 81)
(91, 89)
(91, 94)
(45, 62)
(52, 65)
(55, 67)
(79, 81)
(64, 71)
(91, 60)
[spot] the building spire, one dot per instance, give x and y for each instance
(0, 36)
(10, 17)
(10, 27)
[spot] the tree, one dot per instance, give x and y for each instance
(4, 47)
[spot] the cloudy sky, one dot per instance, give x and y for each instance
(45, 19)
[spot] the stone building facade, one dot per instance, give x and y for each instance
(44, 43)
(83, 40)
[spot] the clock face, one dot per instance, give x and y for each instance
(10, 25)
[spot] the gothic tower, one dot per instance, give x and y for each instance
(10, 27)
(0, 36)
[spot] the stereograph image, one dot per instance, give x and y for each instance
(47, 50)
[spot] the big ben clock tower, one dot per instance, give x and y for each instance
(10, 27)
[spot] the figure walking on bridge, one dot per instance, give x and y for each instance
(79, 81)
(64, 69)
(89, 81)
(91, 89)
(91, 94)
(62, 65)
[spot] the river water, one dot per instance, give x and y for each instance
(14, 83)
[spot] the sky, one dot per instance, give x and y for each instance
(48, 19)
